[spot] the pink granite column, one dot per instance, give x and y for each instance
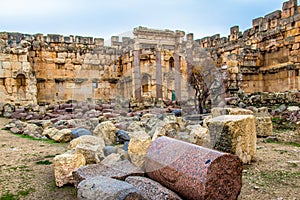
(192, 171)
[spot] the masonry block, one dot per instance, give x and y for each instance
(234, 134)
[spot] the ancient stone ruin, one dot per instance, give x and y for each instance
(55, 68)
(128, 110)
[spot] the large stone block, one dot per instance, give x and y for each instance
(151, 190)
(192, 171)
(87, 140)
(229, 111)
(92, 153)
(6, 65)
(264, 126)
(101, 187)
(199, 135)
(119, 170)
(64, 165)
(138, 146)
(62, 136)
(106, 130)
(234, 134)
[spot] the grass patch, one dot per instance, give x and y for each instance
(37, 139)
(50, 156)
(44, 162)
(294, 164)
(279, 175)
(295, 144)
(25, 192)
(8, 196)
(22, 193)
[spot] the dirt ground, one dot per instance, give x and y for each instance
(26, 169)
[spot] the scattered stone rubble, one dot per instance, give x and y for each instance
(117, 146)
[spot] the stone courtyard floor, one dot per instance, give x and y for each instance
(26, 169)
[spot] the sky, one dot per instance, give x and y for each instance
(105, 18)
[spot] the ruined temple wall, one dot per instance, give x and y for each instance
(264, 58)
(57, 68)
(17, 78)
(161, 59)
(73, 69)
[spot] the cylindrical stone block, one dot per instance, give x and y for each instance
(192, 171)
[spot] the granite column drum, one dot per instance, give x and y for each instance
(192, 171)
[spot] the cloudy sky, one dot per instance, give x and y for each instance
(104, 18)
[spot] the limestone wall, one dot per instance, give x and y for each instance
(56, 68)
(264, 58)
(17, 77)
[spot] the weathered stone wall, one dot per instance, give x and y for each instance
(70, 68)
(154, 64)
(17, 78)
(56, 68)
(264, 58)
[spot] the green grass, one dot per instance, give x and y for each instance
(36, 139)
(44, 162)
(26, 192)
(295, 144)
(279, 175)
(8, 196)
(50, 156)
(21, 193)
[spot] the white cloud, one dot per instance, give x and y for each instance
(103, 18)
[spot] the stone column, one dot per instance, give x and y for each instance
(137, 74)
(190, 89)
(177, 77)
(192, 171)
(158, 75)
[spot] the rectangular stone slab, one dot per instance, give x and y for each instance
(119, 170)
(192, 171)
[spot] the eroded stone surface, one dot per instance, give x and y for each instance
(230, 111)
(264, 126)
(88, 140)
(119, 170)
(92, 153)
(138, 146)
(192, 171)
(151, 190)
(64, 165)
(100, 187)
(63, 135)
(106, 130)
(234, 134)
(199, 135)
